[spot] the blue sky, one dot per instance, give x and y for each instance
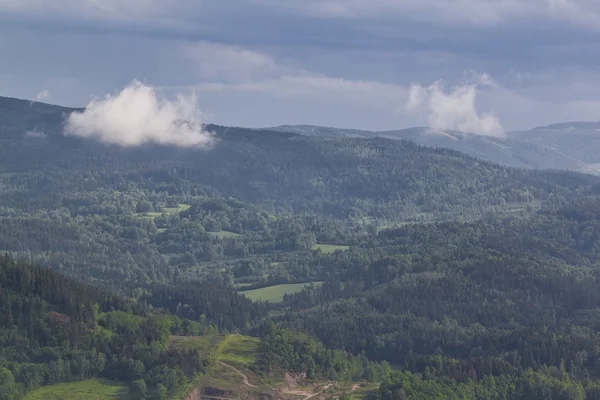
(480, 65)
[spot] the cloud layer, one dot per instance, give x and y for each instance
(454, 109)
(346, 63)
(137, 116)
(476, 12)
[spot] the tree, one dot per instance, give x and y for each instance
(9, 390)
(138, 390)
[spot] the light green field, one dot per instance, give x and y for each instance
(165, 210)
(330, 248)
(173, 210)
(205, 344)
(224, 234)
(238, 350)
(274, 294)
(94, 389)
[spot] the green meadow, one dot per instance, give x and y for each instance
(330, 248)
(93, 389)
(224, 234)
(165, 210)
(274, 294)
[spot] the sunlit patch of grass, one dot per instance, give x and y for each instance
(94, 389)
(224, 234)
(274, 294)
(330, 248)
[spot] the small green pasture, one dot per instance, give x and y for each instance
(178, 209)
(238, 350)
(93, 389)
(165, 210)
(223, 234)
(274, 294)
(330, 248)
(204, 344)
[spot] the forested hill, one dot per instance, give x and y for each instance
(53, 329)
(340, 177)
(572, 145)
(476, 281)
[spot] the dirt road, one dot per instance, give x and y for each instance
(237, 371)
(308, 395)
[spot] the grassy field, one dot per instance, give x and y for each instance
(166, 210)
(224, 234)
(238, 350)
(206, 344)
(94, 389)
(274, 294)
(330, 248)
(173, 210)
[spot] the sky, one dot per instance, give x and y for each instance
(486, 66)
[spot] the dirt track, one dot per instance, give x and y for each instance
(240, 373)
(308, 395)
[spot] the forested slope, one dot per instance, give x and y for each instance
(119, 214)
(471, 280)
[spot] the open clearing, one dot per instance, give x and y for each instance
(274, 294)
(330, 248)
(235, 357)
(224, 234)
(238, 350)
(173, 210)
(95, 389)
(165, 210)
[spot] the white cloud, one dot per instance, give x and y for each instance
(137, 116)
(43, 95)
(454, 109)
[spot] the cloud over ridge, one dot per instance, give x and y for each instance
(454, 109)
(137, 116)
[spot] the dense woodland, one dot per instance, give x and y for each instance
(462, 279)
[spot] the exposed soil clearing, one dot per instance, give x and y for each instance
(237, 371)
(308, 395)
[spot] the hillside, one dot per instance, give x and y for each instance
(53, 330)
(248, 210)
(389, 270)
(60, 339)
(568, 146)
(339, 177)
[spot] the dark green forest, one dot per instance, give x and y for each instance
(461, 279)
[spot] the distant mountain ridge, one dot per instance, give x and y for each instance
(564, 146)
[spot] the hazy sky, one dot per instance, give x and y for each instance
(479, 65)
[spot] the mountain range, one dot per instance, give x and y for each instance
(565, 146)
